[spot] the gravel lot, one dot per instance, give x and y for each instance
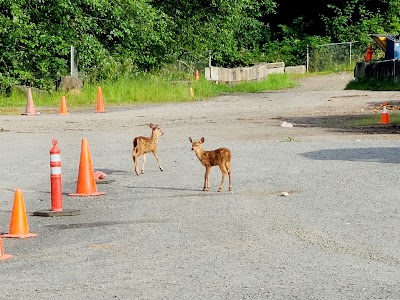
(159, 236)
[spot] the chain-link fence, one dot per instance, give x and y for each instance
(335, 57)
(332, 57)
(187, 62)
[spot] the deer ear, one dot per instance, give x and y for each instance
(202, 140)
(151, 125)
(190, 140)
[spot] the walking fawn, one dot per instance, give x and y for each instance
(220, 157)
(143, 145)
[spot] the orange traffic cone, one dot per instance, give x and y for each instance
(3, 256)
(86, 185)
(100, 101)
(197, 75)
(368, 54)
(63, 107)
(384, 115)
(19, 224)
(30, 107)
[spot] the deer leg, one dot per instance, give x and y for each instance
(223, 171)
(228, 167)
(208, 178)
(144, 161)
(158, 160)
(135, 161)
(206, 186)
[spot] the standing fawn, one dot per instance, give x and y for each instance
(220, 157)
(143, 145)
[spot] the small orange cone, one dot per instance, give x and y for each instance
(63, 107)
(100, 101)
(19, 224)
(384, 115)
(30, 107)
(197, 75)
(3, 256)
(86, 185)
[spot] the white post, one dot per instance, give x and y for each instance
(350, 55)
(308, 58)
(74, 64)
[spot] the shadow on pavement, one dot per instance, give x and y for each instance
(379, 154)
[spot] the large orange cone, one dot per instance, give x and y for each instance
(3, 256)
(63, 107)
(384, 115)
(30, 107)
(19, 224)
(86, 185)
(100, 101)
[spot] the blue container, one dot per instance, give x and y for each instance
(392, 48)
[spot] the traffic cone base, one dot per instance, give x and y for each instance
(63, 107)
(3, 256)
(30, 107)
(19, 224)
(86, 184)
(52, 213)
(86, 195)
(19, 236)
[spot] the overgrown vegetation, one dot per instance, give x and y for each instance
(144, 88)
(116, 39)
(365, 122)
(373, 85)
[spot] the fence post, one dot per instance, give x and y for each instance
(350, 55)
(308, 58)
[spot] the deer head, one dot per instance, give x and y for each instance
(156, 129)
(197, 145)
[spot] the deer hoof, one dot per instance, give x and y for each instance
(206, 189)
(220, 190)
(230, 189)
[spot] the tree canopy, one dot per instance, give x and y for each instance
(115, 37)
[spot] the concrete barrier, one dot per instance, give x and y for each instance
(234, 75)
(296, 69)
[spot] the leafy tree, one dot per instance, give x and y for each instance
(111, 36)
(353, 21)
(392, 16)
(116, 37)
(228, 29)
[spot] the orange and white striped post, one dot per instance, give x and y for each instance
(55, 177)
(55, 186)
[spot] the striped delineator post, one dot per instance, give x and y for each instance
(55, 177)
(56, 187)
